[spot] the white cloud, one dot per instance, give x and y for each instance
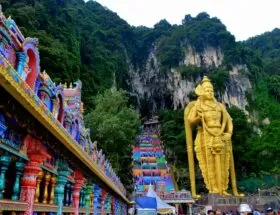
(243, 18)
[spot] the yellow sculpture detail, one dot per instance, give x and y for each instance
(212, 143)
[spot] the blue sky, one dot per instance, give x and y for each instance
(243, 18)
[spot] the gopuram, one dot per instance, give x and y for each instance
(212, 143)
(48, 163)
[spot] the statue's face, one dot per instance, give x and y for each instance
(208, 91)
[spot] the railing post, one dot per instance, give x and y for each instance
(63, 172)
(79, 181)
(88, 192)
(5, 161)
(16, 188)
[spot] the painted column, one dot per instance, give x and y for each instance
(36, 154)
(70, 193)
(21, 56)
(66, 194)
(103, 198)
(63, 173)
(113, 205)
(16, 188)
(79, 181)
(88, 192)
(28, 181)
(97, 191)
(116, 203)
(92, 198)
(108, 203)
(120, 207)
(123, 208)
(5, 161)
(81, 203)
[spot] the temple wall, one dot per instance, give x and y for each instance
(48, 162)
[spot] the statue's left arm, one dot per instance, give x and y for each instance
(229, 130)
(227, 121)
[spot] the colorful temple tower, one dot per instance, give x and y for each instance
(150, 168)
(48, 163)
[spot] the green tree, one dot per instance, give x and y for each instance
(267, 145)
(113, 123)
(241, 144)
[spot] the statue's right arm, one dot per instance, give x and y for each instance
(189, 117)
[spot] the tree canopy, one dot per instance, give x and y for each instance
(113, 123)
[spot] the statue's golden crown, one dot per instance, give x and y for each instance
(205, 80)
(199, 89)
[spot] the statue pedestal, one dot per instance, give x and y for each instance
(229, 203)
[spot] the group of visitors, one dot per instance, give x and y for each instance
(269, 211)
(219, 212)
(244, 209)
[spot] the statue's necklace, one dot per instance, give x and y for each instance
(212, 105)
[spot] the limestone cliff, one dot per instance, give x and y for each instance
(169, 88)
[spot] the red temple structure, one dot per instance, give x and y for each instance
(48, 163)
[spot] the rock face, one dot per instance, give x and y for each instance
(210, 57)
(162, 89)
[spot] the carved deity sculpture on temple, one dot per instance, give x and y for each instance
(94, 152)
(26, 70)
(212, 143)
(99, 158)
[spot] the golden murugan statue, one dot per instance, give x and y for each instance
(212, 143)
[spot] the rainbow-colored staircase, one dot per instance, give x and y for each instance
(150, 167)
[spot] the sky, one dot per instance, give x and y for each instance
(243, 18)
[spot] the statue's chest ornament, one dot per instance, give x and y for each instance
(215, 115)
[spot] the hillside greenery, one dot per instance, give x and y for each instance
(267, 46)
(77, 40)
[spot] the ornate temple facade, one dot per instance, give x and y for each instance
(48, 163)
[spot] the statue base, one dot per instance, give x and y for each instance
(229, 203)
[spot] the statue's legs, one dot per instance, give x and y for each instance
(218, 173)
(232, 176)
(203, 156)
(206, 160)
(225, 162)
(212, 172)
(221, 165)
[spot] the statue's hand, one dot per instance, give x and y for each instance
(227, 136)
(198, 111)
